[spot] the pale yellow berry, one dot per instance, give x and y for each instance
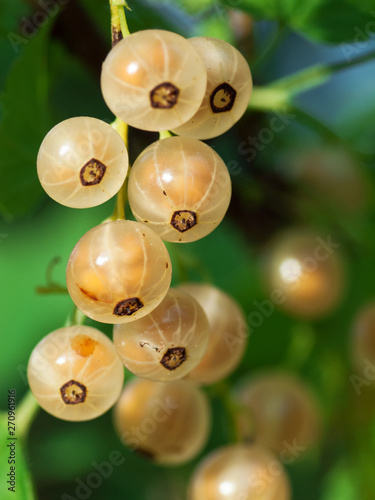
(82, 162)
(75, 373)
(153, 80)
(118, 271)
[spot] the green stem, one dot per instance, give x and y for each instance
(164, 134)
(119, 212)
(316, 75)
(26, 414)
(270, 48)
(119, 25)
(222, 391)
(278, 95)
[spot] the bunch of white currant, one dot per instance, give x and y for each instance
(119, 272)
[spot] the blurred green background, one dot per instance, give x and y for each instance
(50, 58)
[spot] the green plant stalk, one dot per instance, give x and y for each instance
(119, 212)
(119, 25)
(278, 95)
(26, 414)
(164, 134)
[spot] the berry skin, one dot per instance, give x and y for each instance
(118, 271)
(229, 87)
(167, 343)
(75, 373)
(180, 187)
(282, 411)
(166, 422)
(228, 333)
(239, 472)
(153, 80)
(306, 272)
(82, 162)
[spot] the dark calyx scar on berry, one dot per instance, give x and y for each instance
(222, 98)
(92, 172)
(173, 358)
(73, 392)
(182, 220)
(128, 307)
(164, 96)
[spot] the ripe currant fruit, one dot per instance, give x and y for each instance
(228, 333)
(179, 187)
(82, 162)
(239, 471)
(75, 373)
(153, 80)
(282, 410)
(307, 273)
(229, 86)
(166, 422)
(118, 271)
(167, 343)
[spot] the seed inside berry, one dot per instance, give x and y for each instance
(73, 392)
(164, 96)
(173, 358)
(92, 172)
(182, 220)
(222, 98)
(83, 345)
(128, 307)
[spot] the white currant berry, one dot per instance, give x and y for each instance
(153, 80)
(229, 87)
(82, 162)
(118, 271)
(75, 373)
(167, 343)
(282, 410)
(306, 270)
(166, 422)
(180, 187)
(228, 333)
(240, 472)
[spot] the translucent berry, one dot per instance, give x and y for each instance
(363, 340)
(304, 273)
(153, 80)
(82, 162)
(229, 86)
(167, 343)
(282, 410)
(180, 187)
(118, 271)
(240, 472)
(228, 333)
(166, 422)
(75, 373)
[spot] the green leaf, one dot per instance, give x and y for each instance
(25, 121)
(336, 21)
(23, 485)
(333, 21)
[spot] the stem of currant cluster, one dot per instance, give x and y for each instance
(278, 95)
(222, 390)
(119, 212)
(119, 25)
(164, 134)
(26, 414)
